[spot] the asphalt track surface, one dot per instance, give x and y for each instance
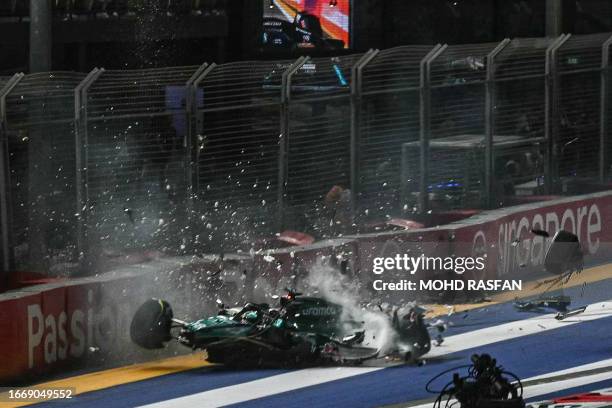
(554, 357)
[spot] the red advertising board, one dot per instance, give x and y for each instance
(511, 248)
(14, 322)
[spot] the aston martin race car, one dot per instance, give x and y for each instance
(301, 330)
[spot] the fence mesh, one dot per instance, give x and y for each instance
(136, 157)
(457, 127)
(40, 130)
(215, 158)
(520, 111)
(389, 117)
(318, 138)
(579, 64)
(238, 148)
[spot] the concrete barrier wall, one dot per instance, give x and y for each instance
(50, 328)
(57, 327)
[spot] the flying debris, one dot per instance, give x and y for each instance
(564, 258)
(570, 313)
(559, 303)
(130, 215)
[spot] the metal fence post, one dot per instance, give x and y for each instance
(604, 107)
(551, 112)
(284, 137)
(196, 128)
(490, 99)
(356, 87)
(6, 248)
(81, 160)
(425, 123)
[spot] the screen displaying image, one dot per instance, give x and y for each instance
(323, 24)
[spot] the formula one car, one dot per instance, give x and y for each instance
(302, 330)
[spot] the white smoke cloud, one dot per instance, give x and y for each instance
(327, 282)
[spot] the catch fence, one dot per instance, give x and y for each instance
(220, 157)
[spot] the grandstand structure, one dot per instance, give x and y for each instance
(128, 33)
(78, 9)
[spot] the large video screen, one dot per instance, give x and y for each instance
(323, 24)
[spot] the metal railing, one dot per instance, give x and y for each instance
(214, 157)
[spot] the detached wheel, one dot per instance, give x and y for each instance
(151, 324)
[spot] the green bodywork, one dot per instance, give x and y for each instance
(213, 328)
(303, 316)
(303, 329)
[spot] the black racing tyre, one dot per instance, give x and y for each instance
(151, 324)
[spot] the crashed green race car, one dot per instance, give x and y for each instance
(302, 330)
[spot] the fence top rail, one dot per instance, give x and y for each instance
(319, 77)
(137, 92)
(257, 83)
(459, 64)
(42, 98)
(3, 81)
(394, 68)
(244, 83)
(581, 52)
(522, 57)
(606, 58)
(7, 86)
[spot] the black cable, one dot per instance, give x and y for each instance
(441, 374)
(481, 373)
(438, 401)
(518, 381)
